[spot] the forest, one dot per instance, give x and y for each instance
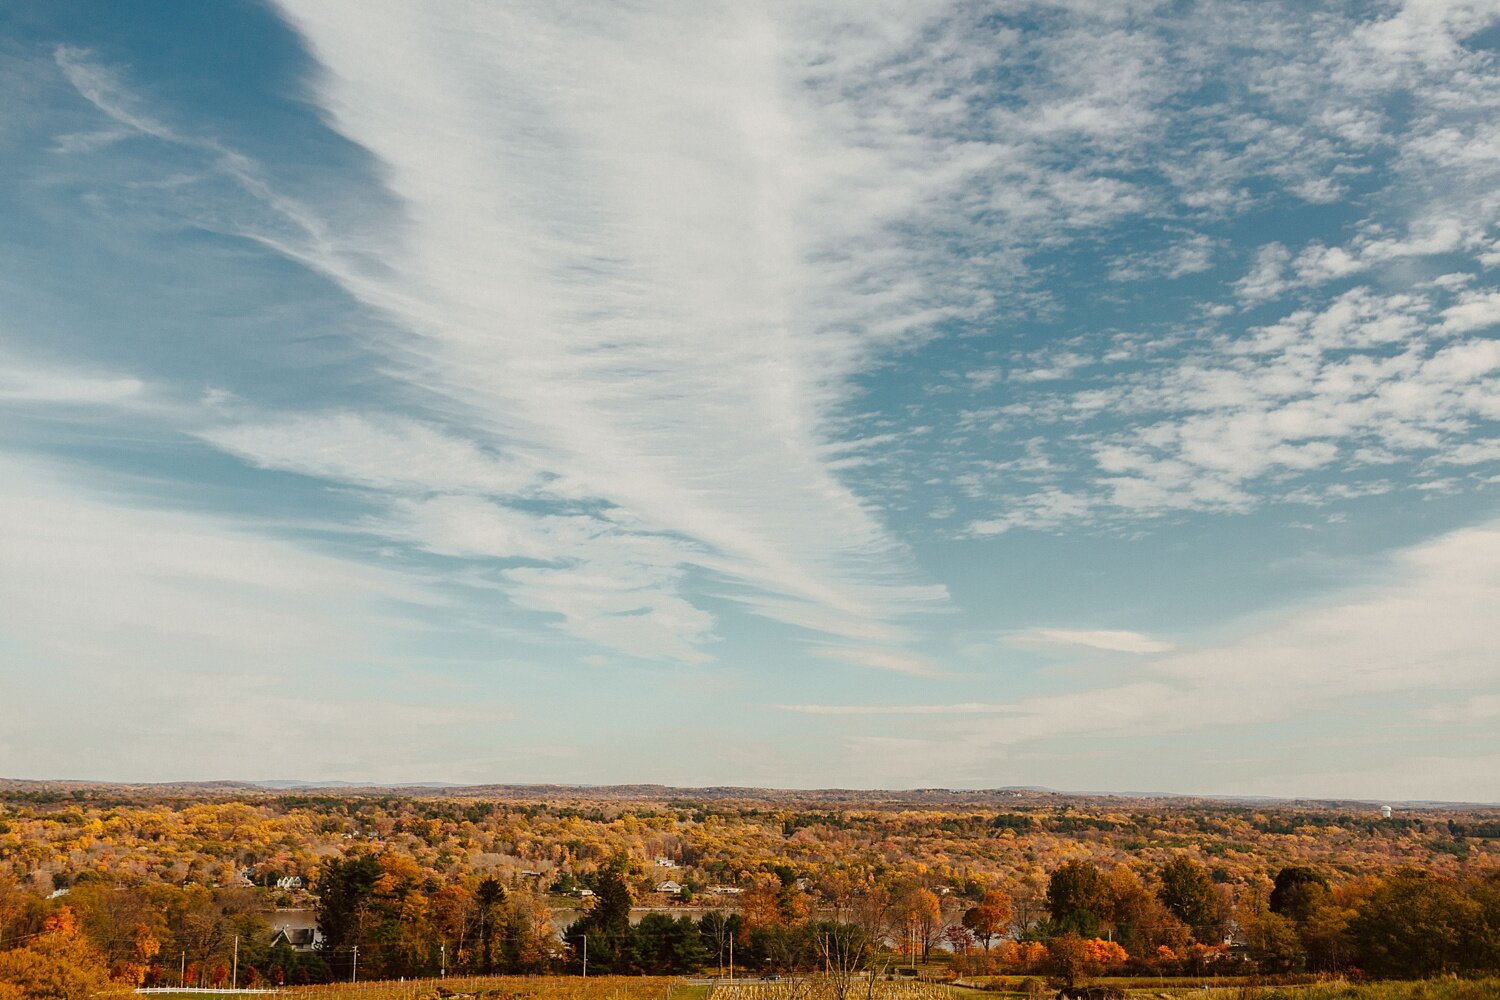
(188, 886)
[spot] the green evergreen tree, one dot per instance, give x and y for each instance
(346, 893)
(489, 899)
(1297, 892)
(607, 924)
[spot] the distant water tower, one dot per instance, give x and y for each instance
(1385, 812)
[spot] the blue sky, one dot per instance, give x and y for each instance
(1100, 396)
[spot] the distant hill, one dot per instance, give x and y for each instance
(1007, 796)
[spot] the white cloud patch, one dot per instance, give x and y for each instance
(1109, 640)
(385, 453)
(1230, 425)
(31, 385)
(1267, 278)
(1474, 311)
(1191, 255)
(896, 661)
(962, 708)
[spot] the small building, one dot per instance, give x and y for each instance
(669, 888)
(724, 890)
(583, 893)
(289, 882)
(1385, 812)
(298, 929)
(666, 863)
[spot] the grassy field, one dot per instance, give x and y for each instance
(1141, 989)
(1453, 989)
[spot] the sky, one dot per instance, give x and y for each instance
(1096, 395)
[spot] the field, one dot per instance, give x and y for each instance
(1447, 989)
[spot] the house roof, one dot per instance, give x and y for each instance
(297, 937)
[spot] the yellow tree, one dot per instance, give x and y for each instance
(58, 964)
(921, 918)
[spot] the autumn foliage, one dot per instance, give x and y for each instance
(136, 887)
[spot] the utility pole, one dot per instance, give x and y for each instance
(234, 981)
(442, 961)
(585, 956)
(731, 960)
(354, 969)
(182, 974)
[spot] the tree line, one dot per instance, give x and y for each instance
(393, 918)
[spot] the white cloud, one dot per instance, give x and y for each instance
(1474, 311)
(1189, 256)
(1117, 641)
(87, 581)
(622, 296)
(1267, 278)
(388, 453)
(1236, 421)
(963, 708)
(1474, 453)
(897, 661)
(32, 385)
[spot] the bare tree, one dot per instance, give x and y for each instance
(720, 931)
(845, 950)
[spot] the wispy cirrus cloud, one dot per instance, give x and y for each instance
(1108, 640)
(28, 384)
(962, 708)
(651, 284)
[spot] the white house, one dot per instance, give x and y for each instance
(665, 863)
(669, 887)
(289, 882)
